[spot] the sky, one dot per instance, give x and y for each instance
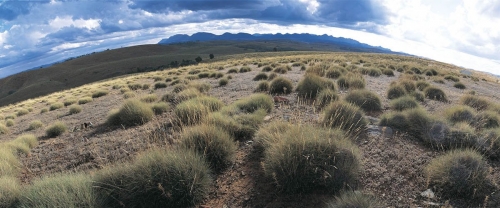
(461, 32)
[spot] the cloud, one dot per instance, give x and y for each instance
(351, 12)
(197, 5)
(11, 9)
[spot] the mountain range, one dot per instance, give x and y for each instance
(346, 43)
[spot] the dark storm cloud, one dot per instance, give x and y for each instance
(196, 5)
(351, 12)
(10, 9)
(67, 34)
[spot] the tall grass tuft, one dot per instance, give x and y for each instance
(281, 85)
(354, 199)
(312, 84)
(255, 102)
(4, 129)
(10, 190)
(84, 100)
(74, 109)
(133, 112)
(56, 129)
(36, 124)
(157, 178)
(404, 103)
(345, 116)
(435, 93)
(325, 97)
(56, 106)
(365, 99)
(99, 93)
(475, 102)
(191, 112)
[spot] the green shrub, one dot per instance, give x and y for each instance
(325, 97)
(36, 124)
(9, 122)
(190, 112)
(281, 85)
(459, 85)
(475, 102)
(161, 107)
(56, 129)
(459, 113)
(132, 112)
(214, 144)
(244, 69)
(74, 109)
(263, 86)
(158, 178)
(421, 85)
(4, 129)
(128, 95)
(10, 190)
(159, 85)
(21, 112)
(388, 72)
(69, 190)
(451, 78)
(395, 91)
(364, 99)
(460, 174)
(84, 100)
(56, 106)
(223, 82)
(255, 102)
(487, 120)
(151, 98)
(403, 103)
(435, 93)
(267, 69)
(345, 116)
(99, 93)
(311, 85)
(293, 157)
(354, 199)
(260, 76)
(373, 72)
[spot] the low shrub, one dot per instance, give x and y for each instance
(281, 85)
(365, 99)
(223, 82)
(84, 100)
(260, 76)
(312, 84)
(187, 94)
(160, 107)
(159, 85)
(459, 85)
(272, 76)
(318, 69)
(203, 75)
(99, 93)
(132, 113)
(435, 93)
(345, 116)
(283, 69)
(351, 199)
(240, 125)
(145, 86)
(403, 103)
(68, 190)
(157, 178)
(74, 109)
(325, 97)
(460, 174)
(459, 113)
(36, 124)
(418, 96)
(294, 156)
(178, 88)
(263, 86)
(214, 144)
(151, 98)
(419, 123)
(415, 70)
(56, 129)
(475, 102)
(395, 91)
(56, 106)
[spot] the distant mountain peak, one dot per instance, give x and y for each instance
(353, 45)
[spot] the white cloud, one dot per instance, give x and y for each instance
(67, 21)
(3, 37)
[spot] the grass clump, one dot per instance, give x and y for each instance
(84, 100)
(190, 112)
(68, 190)
(240, 125)
(364, 99)
(333, 73)
(9, 122)
(354, 199)
(311, 85)
(10, 190)
(99, 93)
(214, 144)
(151, 98)
(403, 103)
(128, 95)
(200, 86)
(452, 78)
(388, 72)
(293, 156)
(395, 91)
(325, 97)
(45, 110)
(267, 68)
(56, 129)
(260, 76)
(223, 82)
(132, 113)
(158, 178)
(255, 102)
(70, 101)
(263, 86)
(74, 109)
(435, 93)
(351, 81)
(36, 124)
(282, 69)
(187, 94)
(373, 72)
(421, 85)
(345, 116)
(489, 143)
(281, 85)
(459, 113)
(160, 107)
(395, 120)
(475, 102)
(459, 85)
(21, 112)
(487, 120)
(159, 85)
(233, 70)
(56, 106)
(460, 173)
(244, 69)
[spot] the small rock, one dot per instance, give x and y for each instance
(267, 118)
(243, 173)
(386, 131)
(428, 194)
